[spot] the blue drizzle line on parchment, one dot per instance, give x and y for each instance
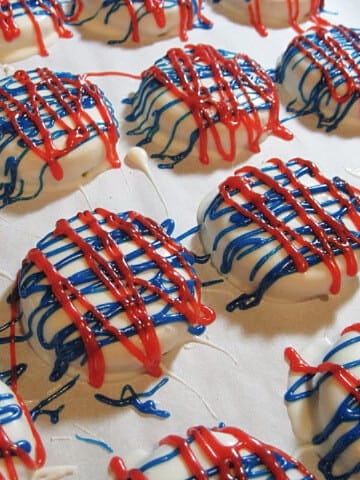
(15, 372)
(7, 376)
(129, 397)
(55, 413)
(93, 441)
(7, 326)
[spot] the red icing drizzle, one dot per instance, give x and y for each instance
(157, 9)
(348, 381)
(76, 124)
(328, 55)
(123, 286)
(289, 239)
(226, 458)
(204, 106)
(11, 31)
(254, 10)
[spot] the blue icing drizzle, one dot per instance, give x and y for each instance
(93, 441)
(342, 432)
(246, 242)
(341, 73)
(54, 414)
(129, 397)
(14, 151)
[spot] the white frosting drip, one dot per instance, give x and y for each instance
(6, 70)
(6, 275)
(138, 159)
(206, 404)
(56, 473)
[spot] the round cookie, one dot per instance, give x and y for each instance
(219, 453)
(21, 449)
(30, 27)
(58, 130)
(212, 105)
(285, 230)
(320, 75)
(108, 295)
(272, 13)
(323, 403)
(141, 22)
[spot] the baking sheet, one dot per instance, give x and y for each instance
(245, 384)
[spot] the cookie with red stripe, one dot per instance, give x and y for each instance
(108, 295)
(210, 105)
(319, 74)
(284, 230)
(28, 27)
(58, 130)
(221, 453)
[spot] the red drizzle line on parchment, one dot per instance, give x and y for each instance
(226, 458)
(328, 55)
(77, 123)
(289, 238)
(11, 31)
(205, 108)
(123, 286)
(348, 381)
(255, 15)
(157, 9)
